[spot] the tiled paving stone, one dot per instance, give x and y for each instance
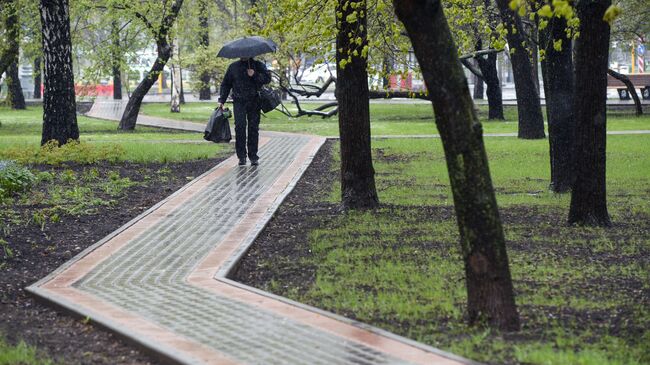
(144, 277)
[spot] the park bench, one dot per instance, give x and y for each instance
(640, 81)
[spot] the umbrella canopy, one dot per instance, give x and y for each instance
(247, 47)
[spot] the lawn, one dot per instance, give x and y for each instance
(20, 140)
(386, 119)
(582, 293)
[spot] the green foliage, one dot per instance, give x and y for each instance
(14, 179)
(20, 354)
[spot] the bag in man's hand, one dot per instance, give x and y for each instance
(269, 99)
(218, 129)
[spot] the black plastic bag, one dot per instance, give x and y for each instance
(218, 129)
(269, 99)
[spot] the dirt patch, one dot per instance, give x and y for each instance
(37, 252)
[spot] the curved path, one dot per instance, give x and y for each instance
(161, 279)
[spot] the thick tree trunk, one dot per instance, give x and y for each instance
(589, 197)
(117, 70)
(488, 68)
(59, 105)
(557, 70)
(130, 116)
(630, 88)
(204, 41)
(37, 78)
(489, 286)
(357, 173)
(15, 96)
(531, 121)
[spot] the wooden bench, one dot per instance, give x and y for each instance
(640, 81)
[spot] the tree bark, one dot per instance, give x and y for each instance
(130, 116)
(204, 41)
(489, 285)
(59, 105)
(37, 78)
(630, 89)
(116, 59)
(117, 82)
(589, 196)
(357, 173)
(557, 71)
(488, 68)
(487, 64)
(478, 86)
(531, 121)
(12, 29)
(15, 96)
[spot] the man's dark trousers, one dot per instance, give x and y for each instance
(247, 113)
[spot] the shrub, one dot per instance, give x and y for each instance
(74, 151)
(14, 179)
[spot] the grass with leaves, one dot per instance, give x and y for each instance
(582, 292)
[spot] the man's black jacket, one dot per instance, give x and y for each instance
(244, 87)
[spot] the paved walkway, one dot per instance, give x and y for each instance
(161, 279)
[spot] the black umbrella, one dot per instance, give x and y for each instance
(247, 47)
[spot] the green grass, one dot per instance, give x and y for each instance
(20, 140)
(386, 119)
(414, 171)
(581, 292)
(20, 354)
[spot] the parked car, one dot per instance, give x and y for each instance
(318, 74)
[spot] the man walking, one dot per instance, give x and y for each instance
(245, 77)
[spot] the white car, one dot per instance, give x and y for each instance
(318, 74)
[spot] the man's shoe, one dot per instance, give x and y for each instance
(242, 161)
(255, 162)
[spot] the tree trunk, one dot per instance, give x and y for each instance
(116, 59)
(181, 96)
(557, 71)
(130, 116)
(488, 68)
(37, 78)
(478, 86)
(357, 173)
(117, 82)
(531, 121)
(588, 197)
(489, 286)
(630, 89)
(59, 105)
(204, 42)
(15, 97)
(12, 29)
